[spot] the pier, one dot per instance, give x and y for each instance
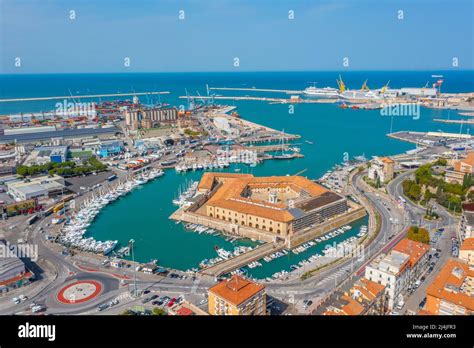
(234, 98)
(287, 91)
(229, 265)
(272, 100)
(454, 121)
(425, 139)
(81, 96)
(268, 148)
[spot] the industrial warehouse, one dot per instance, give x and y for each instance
(274, 208)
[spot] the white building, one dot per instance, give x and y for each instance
(419, 92)
(39, 187)
(466, 223)
(382, 168)
(390, 270)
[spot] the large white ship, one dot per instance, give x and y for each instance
(321, 93)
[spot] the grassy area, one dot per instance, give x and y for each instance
(81, 154)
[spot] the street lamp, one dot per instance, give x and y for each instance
(131, 243)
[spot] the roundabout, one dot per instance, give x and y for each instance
(79, 292)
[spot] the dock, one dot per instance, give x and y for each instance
(287, 91)
(454, 121)
(271, 100)
(268, 148)
(229, 265)
(81, 96)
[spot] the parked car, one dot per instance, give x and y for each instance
(146, 300)
(36, 309)
(103, 306)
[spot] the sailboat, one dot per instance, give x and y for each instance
(283, 154)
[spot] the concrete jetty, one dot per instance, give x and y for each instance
(229, 265)
(81, 96)
(287, 91)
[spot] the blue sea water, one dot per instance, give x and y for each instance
(335, 133)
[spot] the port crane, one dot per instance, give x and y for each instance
(341, 85)
(365, 87)
(384, 88)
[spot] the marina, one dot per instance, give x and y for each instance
(74, 229)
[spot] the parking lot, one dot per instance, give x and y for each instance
(80, 184)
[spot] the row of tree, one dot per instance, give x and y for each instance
(68, 168)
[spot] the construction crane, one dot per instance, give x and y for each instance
(202, 99)
(189, 100)
(384, 88)
(341, 85)
(365, 87)
(211, 100)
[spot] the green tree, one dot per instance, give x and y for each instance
(158, 311)
(418, 234)
(427, 195)
(415, 192)
(22, 170)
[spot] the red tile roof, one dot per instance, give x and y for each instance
(236, 290)
(415, 250)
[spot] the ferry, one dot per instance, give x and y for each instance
(321, 93)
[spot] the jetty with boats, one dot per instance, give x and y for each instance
(72, 233)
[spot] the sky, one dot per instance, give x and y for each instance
(42, 36)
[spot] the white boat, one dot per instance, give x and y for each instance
(321, 93)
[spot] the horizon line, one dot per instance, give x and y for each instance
(233, 71)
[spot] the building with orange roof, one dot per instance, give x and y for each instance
(399, 269)
(345, 305)
(460, 168)
(371, 295)
(275, 205)
(186, 308)
(382, 168)
(237, 296)
(418, 253)
(451, 292)
(466, 251)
